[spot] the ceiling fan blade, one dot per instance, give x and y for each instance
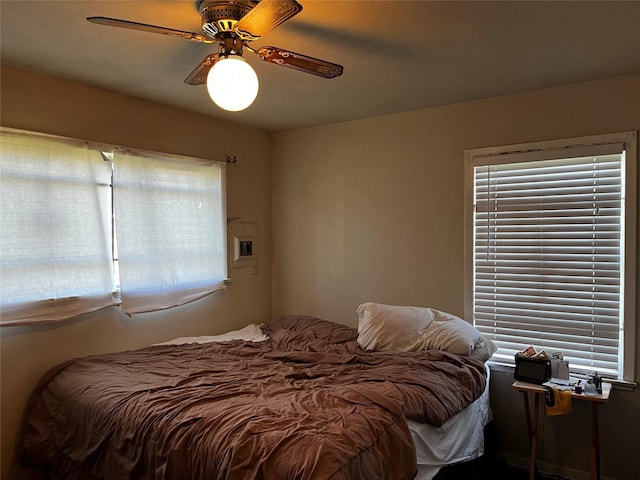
(297, 61)
(143, 27)
(266, 16)
(199, 74)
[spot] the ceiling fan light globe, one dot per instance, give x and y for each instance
(232, 83)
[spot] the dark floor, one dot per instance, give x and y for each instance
(481, 469)
(489, 466)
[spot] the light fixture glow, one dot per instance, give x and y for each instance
(232, 83)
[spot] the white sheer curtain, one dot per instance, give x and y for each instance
(55, 233)
(170, 226)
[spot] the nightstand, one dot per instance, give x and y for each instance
(532, 422)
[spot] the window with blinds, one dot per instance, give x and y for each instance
(551, 237)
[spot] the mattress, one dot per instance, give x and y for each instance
(459, 439)
(307, 402)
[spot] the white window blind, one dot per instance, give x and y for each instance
(549, 255)
(55, 247)
(170, 226)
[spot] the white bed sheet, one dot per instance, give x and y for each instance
(461, 438)
(250, 333)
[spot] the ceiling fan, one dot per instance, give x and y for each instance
(232, 24)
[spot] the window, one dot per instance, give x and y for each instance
(64, 201)
(170, 225)
(552, 253)
(55, 228)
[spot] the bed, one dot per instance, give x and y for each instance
(299, 398)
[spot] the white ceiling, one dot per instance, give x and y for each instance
(397, 55)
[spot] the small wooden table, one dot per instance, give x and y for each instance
(532, 422)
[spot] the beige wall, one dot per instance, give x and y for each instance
(361, 211)
(46, 104)
(372, 210)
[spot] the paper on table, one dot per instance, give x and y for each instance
(559, 384)
(560, 381)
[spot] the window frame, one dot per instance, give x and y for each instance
(535, 150)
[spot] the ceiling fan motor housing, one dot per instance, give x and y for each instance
(222, 16)
(232, 24)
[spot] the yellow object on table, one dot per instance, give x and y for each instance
(558, 402)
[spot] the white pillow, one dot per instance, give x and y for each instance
(451, 333)
(408, 329)
(391, 327)
(485, 351)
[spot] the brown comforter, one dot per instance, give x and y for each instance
(308, 403)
